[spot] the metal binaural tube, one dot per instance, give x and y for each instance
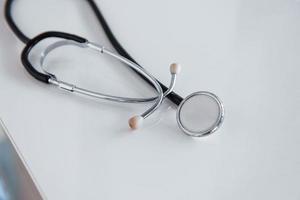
(72, 88)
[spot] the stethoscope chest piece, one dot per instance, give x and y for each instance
(200, 114)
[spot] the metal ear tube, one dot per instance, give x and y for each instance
(136, 121)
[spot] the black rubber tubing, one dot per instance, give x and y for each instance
(31, 43)
(175, 98)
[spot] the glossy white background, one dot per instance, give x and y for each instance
(247, 52)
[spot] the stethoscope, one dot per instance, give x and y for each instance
(199, 114)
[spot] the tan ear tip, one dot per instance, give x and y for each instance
(135, 122)
(175, 68)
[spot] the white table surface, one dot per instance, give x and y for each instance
(247, 52)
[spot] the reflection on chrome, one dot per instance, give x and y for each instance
(16, 183)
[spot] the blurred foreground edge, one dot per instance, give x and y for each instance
(16, 180)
